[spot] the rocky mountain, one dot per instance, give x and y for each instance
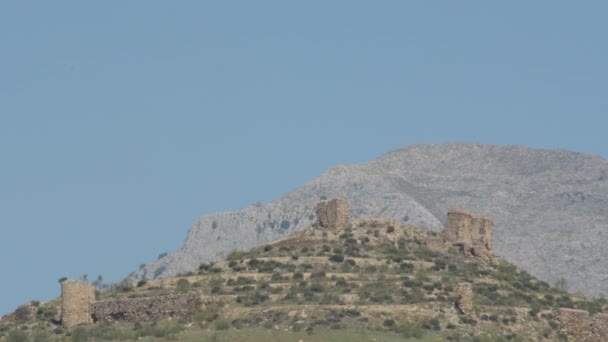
(550, 207)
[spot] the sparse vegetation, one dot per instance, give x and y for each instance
(387, 271)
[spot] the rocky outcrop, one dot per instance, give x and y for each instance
(549, 207)
(465, 299)
(349, 299)
(332, 214)
(578, 325)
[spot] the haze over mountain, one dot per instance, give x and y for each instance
(549, 207)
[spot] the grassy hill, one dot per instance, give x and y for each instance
(377, 280)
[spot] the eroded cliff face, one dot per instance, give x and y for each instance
(549, 207)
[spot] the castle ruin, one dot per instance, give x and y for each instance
(333, 213)
(471, 233)
(79, 306)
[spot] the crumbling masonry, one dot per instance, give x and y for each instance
(148, 308)
(471, 233)
(332, 214)
(78, 306)
(579, 326)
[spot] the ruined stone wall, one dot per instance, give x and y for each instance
(578, 325)
(148, 308)
(333, 213)
(76, 299)
(599, 326)
(481, 232)
(465, 298)
(473, 233)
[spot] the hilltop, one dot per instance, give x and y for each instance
(375, 277)
(548, 206)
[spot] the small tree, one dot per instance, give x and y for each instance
(98, 282)
(183, 285)
(562, 284)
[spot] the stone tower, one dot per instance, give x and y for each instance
(471, 232)
(77, 298)
(333, 213)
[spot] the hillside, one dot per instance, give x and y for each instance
(377, 279)
(549, 208)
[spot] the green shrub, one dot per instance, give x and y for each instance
(208, 315)
(78, 335)
(252, 298)
(410, 330)
(124, 286)
(342, 283)
(389, 322)
(276, 277)
(506, 272)
(244, 280)
(406, 267)
(439, 265)
(425, 253)
(337, 258)
(221, 324)
(317, 274)
(183, 285)
(432, 324)
(17, 336)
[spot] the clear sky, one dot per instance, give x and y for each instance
(122, 122)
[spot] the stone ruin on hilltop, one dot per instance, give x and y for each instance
(76, 300)
(333, 214)
(472, 234)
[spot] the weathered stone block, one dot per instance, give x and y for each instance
(578, 325)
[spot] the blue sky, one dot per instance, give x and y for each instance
(123, 122)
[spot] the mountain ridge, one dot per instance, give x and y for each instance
(539, 198)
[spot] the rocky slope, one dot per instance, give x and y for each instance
(549, 207)
(372, 277)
